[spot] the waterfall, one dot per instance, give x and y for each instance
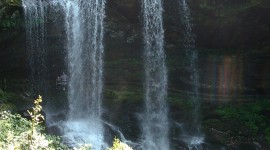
(155, 120)
(192, 55)
(34, 12)
(84, 29)
(84, 45)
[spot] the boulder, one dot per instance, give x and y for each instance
(55, 130)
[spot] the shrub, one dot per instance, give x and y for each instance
(267, 135)
(118, 145)
(17, 133)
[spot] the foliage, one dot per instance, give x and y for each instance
(8, 23)
(18, 133)
(267, 135)
(247, 118)
(13, 2)
(4, 101)
(3, 95)
(36, 118)
(7, 107)
(118, 145)
(124, 95)
(8, 97)
(84, 147)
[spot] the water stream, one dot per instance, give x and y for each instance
(34, 12)
(192, 136)
(84, 29)
(84, 48)
(154, 124)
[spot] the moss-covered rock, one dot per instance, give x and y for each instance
(12, 2)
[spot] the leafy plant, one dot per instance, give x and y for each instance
(13, 2)
(17, 133)
(267, 135)
(36, 118)
(248, 116)
(10, 23)
(118, 145)
(3, 95)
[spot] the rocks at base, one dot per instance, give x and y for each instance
(233, 142)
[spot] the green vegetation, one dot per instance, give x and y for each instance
(251, 119)
(267, 135)
(118, 145)
(10, 23)
(13, 2)
(124, 95)
(248, 120)
(18, 133)
(5, 98)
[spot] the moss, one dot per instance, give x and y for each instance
(10, 23)
(179, 101)
(124, 95)
(267, 135)
(13, 2)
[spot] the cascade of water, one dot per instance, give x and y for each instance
(155, 122)
(191, 53)
(34, 12)
(84, 31)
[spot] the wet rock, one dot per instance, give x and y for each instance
(55, 130)
(128, 9)
(217, 136)
(15, 14)
(59, 117)
(3, 11)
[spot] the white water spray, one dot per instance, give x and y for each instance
(34, 12)
(84, 30)
(194, 137)
(155, 120)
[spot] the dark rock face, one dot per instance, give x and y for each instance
(128, 9)
(224, 29)
(12, 41)
(218, 24)
(231, 24)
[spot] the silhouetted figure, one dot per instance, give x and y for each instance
(61, 82)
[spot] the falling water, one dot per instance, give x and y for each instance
(34, 12)
(191, 53)
(155, 120)
(84, 30)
